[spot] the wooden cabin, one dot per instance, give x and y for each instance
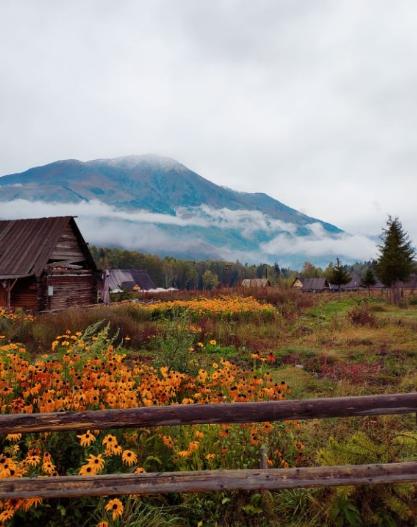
(311, 285)
(255, 282)
(122, 280)
(45, 264)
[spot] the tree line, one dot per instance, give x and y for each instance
(188, 274)
(394, 264)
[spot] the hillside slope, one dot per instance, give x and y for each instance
(206, 219)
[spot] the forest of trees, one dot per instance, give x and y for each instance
(188, 274)
(394, 264)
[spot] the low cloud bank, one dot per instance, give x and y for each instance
(319, 243)
(105, 225)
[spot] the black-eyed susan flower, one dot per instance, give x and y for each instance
(115, 507)
(86, 439)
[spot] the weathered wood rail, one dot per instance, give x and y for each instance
(177, 414)
(209, 480)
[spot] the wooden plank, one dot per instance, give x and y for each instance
(207, 481)
(211, 413)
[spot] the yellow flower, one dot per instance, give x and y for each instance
(14, 437)
(129, 458)
(48, 467)
(168, 442)
(86, 439)
(115, 506)
(212, 342)
(193, 446)
(97, 462)
(33, 460)
(31, 502)
(210, 457)
(87, 470)
(139, 470)
(6, 515)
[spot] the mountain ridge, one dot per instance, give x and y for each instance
(61, 181)
(165, 201)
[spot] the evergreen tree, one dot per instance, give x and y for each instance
(338, 275)
(396, 258)
(368, 279)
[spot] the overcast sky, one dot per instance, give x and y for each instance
(313, 102)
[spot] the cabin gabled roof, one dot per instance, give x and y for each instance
(26, 245)
(314, 284)
(125, 279)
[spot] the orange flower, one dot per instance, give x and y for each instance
(116, 508)
(6, 515)
(14, 437)
(31, 502)
(87, 470)
(97, 462)
(129, 458)
(168, 442)
(86, 439)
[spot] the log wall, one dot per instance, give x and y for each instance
(70, 288)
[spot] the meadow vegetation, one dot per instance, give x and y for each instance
(224, 346)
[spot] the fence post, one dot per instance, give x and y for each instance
(267, 499)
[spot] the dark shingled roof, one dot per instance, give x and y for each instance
(26, 245)
(126, 279)
(314, 284)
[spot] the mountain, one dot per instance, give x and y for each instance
(177, 211)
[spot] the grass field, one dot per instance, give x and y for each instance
(265, 345)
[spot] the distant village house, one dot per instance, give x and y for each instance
(129, 280)
(255, 282)
(45, 264)
(311, 285)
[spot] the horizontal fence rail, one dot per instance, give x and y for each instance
(207, 481)
(176, 414)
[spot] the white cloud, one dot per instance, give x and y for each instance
(105, 225)
(246, 220)
(318, 244)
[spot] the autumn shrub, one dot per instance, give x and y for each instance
(361, 315)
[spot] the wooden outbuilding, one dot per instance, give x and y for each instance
(311, 285)
(45, 264)
(255, 282)
(121, 280)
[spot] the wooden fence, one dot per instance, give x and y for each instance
(209, 480)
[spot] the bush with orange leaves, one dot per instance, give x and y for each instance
(86, 371)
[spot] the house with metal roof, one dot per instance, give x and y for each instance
(45, 264)
(255, 282)
(312, 285)
(126, 280)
